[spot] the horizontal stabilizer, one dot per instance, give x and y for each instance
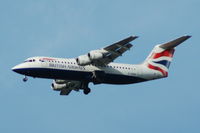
(174, 43)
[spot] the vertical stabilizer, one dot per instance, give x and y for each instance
(161, 56)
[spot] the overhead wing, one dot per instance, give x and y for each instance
(106, 55)
(117, 49)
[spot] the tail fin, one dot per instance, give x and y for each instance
(161, 56)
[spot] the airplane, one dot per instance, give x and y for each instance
(97, 67)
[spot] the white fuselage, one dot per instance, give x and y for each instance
(68, 69)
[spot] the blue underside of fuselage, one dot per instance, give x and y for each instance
(77, 75)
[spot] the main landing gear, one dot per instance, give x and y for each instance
(86, 91)
(25, 78)
(85, 88)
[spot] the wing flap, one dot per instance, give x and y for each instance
(117, 49)
(120, 43)
(65, 91)
(107, 54)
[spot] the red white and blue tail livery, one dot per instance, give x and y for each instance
(97, 67)
(160, 60)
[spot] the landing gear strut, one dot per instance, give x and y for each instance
(25, 78)
(86, 91)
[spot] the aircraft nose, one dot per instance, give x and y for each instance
(19, 69)
(16, 69)
(22, 68)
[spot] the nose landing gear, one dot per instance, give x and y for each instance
(25, 78)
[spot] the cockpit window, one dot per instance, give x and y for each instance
(30, 60)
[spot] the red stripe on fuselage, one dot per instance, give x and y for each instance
(158, 69)
(48, 59)
(167, 53)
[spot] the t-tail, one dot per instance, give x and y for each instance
(158, 62)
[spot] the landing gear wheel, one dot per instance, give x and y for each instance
(25, 79)
(86, 91)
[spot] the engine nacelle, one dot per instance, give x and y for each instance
(60, 81)
(95, 55)
(83, 60)
(73, 85)
(91, 56)
(58, 87)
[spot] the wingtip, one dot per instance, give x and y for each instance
(134, 36)
(188, 36)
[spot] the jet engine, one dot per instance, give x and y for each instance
(83, 60)
(59, 85)
(95, 55)
(90, 57)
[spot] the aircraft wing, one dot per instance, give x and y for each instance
(106, 55)
(65, 91)
(117, 49)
